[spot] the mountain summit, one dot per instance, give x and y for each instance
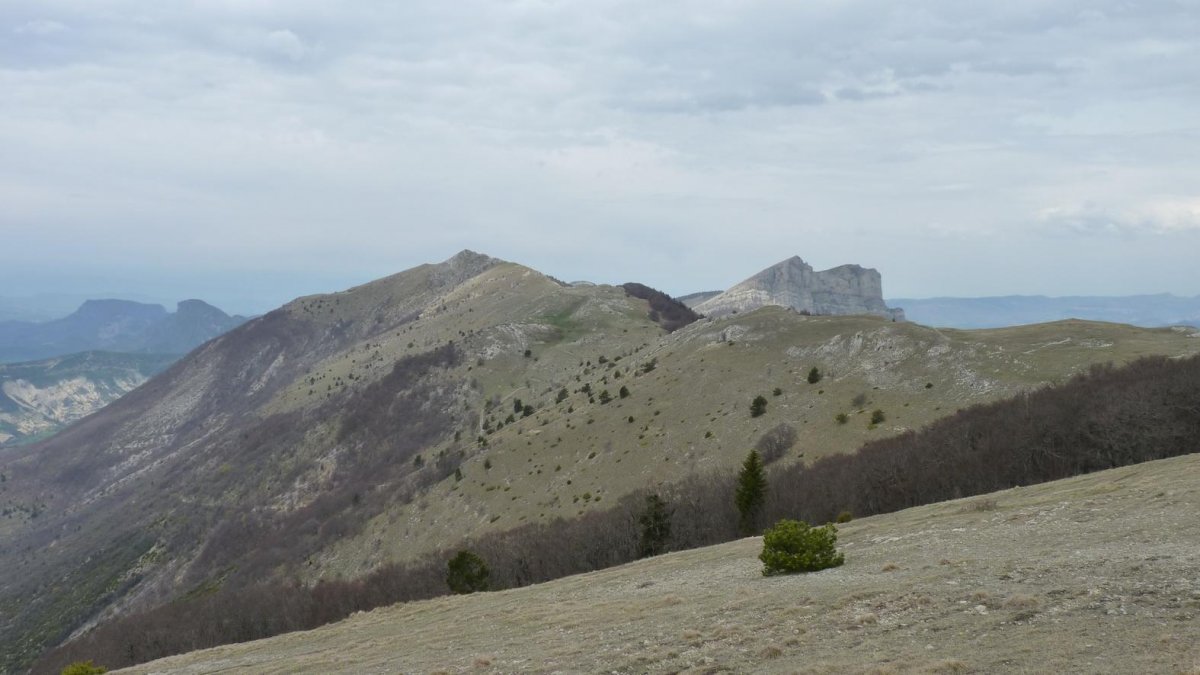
(847, 289)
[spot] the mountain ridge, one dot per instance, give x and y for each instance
(349, 430)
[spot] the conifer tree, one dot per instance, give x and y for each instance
(758, 406)
(656, 527)
(467, 573)
(751, 493)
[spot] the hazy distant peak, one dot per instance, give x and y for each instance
(195, 307)
(108, 308)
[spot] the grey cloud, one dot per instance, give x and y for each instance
(40, 27)
(359, 138)
(1170, 218)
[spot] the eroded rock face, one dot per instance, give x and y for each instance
(848, 289)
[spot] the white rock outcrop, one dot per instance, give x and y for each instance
(848, 289)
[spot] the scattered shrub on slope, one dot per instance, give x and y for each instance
(791, 546)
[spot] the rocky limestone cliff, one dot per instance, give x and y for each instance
(848, 289)
(38, 398)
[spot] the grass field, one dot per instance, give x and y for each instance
(1094, 574)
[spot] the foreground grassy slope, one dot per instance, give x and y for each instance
(1091, 574)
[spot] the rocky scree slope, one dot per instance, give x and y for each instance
(40, 397)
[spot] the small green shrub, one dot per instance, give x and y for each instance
(878, 417)
(845, 517)
(758, 406)
(467, 573)
(605, 397)
(792, 546)
(624, 392)
(84, 668)
(814, 375)
(777, 392)
(842, 418)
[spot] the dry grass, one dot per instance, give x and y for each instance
(979, 505)
(1021, 601)
(948, 667)
(866, 619)
(1083, 582)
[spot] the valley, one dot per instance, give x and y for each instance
(39, 398)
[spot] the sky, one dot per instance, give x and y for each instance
(251, 151)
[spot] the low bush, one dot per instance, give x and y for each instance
(467, 573)
(791, 546)
(758, 406)
(84, 668)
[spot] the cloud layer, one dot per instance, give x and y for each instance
(291, 147)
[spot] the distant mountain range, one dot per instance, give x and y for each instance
(116, 326)
(1015, 310)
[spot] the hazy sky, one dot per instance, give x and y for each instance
(249, 151)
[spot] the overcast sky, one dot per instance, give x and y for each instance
(249, 151)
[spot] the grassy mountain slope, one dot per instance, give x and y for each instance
(347, 430)
(38, 398)
(1091, 574)
(691, 413)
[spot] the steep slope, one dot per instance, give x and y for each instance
(348, 430)
(1102, 581)
(115, 325)
(690, 414)
(848, 289)
(40, 397)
